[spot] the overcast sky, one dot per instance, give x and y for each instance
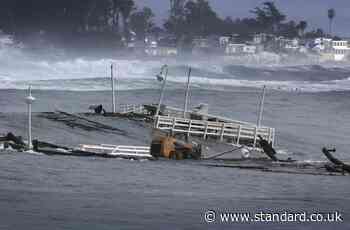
(313, 11)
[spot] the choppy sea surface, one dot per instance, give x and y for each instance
(308, 104)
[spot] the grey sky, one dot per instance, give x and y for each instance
(313, 11)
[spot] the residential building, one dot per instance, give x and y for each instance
(201, 43)
(287, 45)
(262, 38)
(240, 49)
(322, 44)
(249, 49)
(161, 51)
(234, 49)
(224, 41)
(341, 50)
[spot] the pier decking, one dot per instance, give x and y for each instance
(221, 128)
(121, 151)
(231, 132)
(131, 108)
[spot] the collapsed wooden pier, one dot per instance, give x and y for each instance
(233, 132)
(204, 125)
(119, 151)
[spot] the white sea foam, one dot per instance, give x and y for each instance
(18, 69)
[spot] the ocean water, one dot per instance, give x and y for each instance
(307, 102)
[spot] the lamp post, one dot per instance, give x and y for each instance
(160, 76)
(261, 107)
(113, 89)
(187, 91)
(29, 100)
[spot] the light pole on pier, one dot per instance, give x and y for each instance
(29, 100)
(187, 91)
(160, 76)
(113, 89)
(261, 107)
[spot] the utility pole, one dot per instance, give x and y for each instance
(29, 100)
(187, 91)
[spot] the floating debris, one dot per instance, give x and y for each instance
(277, 167)
(77, 121)
(167, 146)
(10, 141)
(119, 151)
(338, 166)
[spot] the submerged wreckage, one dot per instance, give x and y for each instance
(171, 148)
(179, 134)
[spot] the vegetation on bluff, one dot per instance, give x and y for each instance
(121, 18)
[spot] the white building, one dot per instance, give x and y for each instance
(234, 49)
(260, 38)
(322, 44)
(341, 50)
(201, 43)
(292, 44)
(249, 49)
(240, 49)
(263, 38)
(161, 51)
(224, 41)
(288, 45)
(332, 50)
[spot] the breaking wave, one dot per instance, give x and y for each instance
(18, 69)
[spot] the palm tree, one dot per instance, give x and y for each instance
(126, 7)
(331, 15)
(302, 27)
(122, 9)
(115, 14)
(141, 22)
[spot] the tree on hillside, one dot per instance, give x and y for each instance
(115, 14)
(97, 15)
(141, 22)
(269, 17)
(200, 18)
(331, 16)
(289, 29)
(175, 23)
(315, 34)
(68, 15)
(302, 27)
(126, 7)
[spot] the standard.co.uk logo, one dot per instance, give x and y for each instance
(265, 217)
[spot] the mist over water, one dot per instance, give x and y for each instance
(51, 69)
(41, 192)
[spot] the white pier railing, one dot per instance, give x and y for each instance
(130, 108)
(119, 150)
(236, 133)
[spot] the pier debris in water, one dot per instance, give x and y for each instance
(15, 142)
(73, 120)
(98, 109)
(167, 146)
(338, 165)
(268, 149)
